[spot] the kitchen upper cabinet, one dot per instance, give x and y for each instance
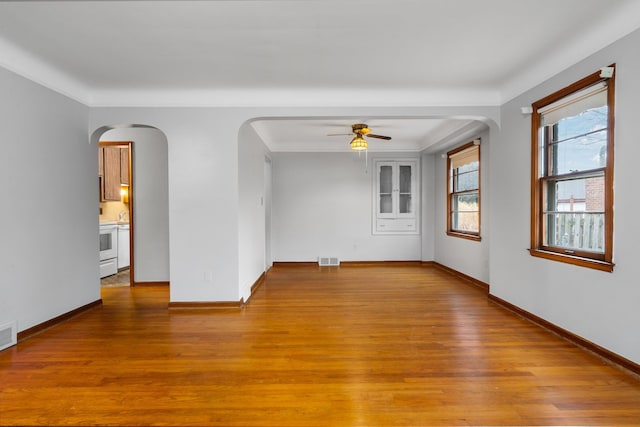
(113, 171)
(124, 165)
(101, 162)
(396, 197)
(111, 174)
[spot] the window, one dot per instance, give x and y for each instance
(572, 174)
(463, 191)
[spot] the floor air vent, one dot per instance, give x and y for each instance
(8, 335)
(328, 261)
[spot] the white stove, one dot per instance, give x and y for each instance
(108, 248)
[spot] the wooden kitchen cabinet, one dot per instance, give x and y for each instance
(111, 174)
(124, 165)
(101, 162)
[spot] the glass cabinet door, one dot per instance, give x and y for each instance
(405, 204)
(385, 189)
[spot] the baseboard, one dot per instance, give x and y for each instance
(217, 304)
(206, 304)
(258, 282)
(607, 355)
(293, 263)
(379, 263)
(34, 330)
(346, 263)
(477, 283)
(150, 284)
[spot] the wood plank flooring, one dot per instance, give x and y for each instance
(349, 346)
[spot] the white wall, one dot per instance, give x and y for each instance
(251, 211)
(466, 256)
(601, 307)
(150, 202)
(48, 256)
(428, 209)
(203, 195)
(322, 206)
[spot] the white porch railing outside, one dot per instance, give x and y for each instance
(578, 230)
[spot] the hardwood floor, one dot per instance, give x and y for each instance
(349, 346)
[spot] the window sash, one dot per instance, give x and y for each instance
(465, 218)
(555, 150)
(573, 225)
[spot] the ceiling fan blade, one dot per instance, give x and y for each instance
(339, 134)
(370, 135)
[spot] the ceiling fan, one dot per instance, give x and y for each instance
(360, 130)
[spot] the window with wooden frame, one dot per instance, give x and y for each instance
(572, 173)
(463, 191)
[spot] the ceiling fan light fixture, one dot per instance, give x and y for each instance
(358, 143)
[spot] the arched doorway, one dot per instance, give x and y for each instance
(149, 204)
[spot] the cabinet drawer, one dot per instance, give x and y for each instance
(396, 225)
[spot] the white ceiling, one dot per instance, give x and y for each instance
(306, 52)
(319, 134)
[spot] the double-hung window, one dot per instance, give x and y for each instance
(463, 188)
(572, 174)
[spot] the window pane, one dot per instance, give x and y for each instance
(465, 212)
(579, 142)
(465, 221)
(465, 202)
(405, 179)
(580, 124)
(405, 203)
(466, 180)
(574, 214)
(386, 204)
(575, 230)
(386, 179)
(576, 195)
(575, 155)
(469, 167)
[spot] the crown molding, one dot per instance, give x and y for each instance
(304, 97)
(28, 66)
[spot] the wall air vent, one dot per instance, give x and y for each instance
(8, 335)
(328, 261)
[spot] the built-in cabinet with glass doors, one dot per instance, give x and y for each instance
(396, 197)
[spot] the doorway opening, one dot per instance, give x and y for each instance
(115, 177)
(148, 208)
